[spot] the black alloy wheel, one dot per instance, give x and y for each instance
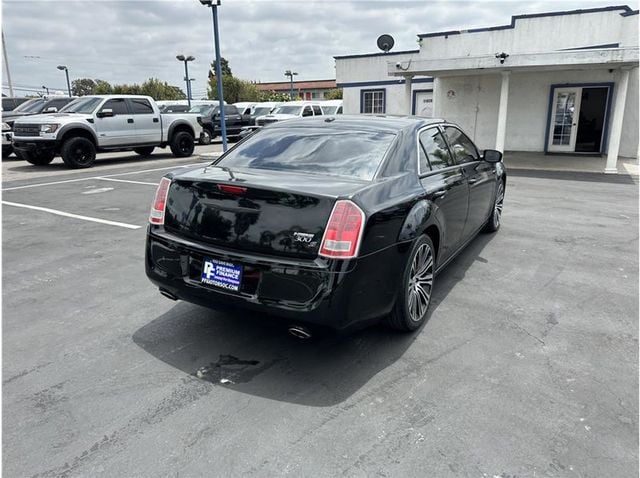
(78, 153)
(412, 304)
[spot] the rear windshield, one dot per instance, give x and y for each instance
(30, 105)
(262, 110)
(350, 153)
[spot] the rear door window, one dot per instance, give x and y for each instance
(462, 147)
(141, 106)
(356, 154)
(433, 151)
(317, 110)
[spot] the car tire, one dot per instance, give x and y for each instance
(38, 158)
(144, 152)
(494, 221)
(206, 137)
(78, 153)
(412, 304)
(182, 144)
(6, 151)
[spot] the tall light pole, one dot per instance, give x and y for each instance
(290, 74)
(214, 4)
(186, 60)
(66, 71)
(6, 64)
(45, 88)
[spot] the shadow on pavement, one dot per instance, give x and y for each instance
(620, 178)
(240, 351)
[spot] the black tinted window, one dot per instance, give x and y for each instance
(141, 106)
(433, 151)
(341, 153)
(230, 110)
(461, 146)
(58, 103)
(118, 106)
(317, 110)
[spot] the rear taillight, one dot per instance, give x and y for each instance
(159, 202)
(344, 231)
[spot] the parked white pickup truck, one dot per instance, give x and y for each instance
(103, 123)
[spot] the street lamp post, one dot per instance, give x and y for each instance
(45, 88)
(186, 60)
(66, 71)
(290, 74)
(214, 4)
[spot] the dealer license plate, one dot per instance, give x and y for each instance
(221, 274)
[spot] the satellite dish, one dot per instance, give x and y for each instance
(385, 42)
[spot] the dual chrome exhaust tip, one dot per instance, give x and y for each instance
(297, 331)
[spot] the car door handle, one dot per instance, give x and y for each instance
(155, 120)
(439, 194)
(130, 120)
(473, 180)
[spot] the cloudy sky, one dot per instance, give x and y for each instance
(128, 41)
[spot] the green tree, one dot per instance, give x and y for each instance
(334, 94)
(102, 88)
(224, 66)
(161, 90)
(83, 87)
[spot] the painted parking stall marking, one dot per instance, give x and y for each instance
(74, 216)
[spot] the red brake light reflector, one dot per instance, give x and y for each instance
(237, 190)
(159, 202)
(344, 231)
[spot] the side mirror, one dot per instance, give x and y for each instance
(51, 109)
(492, 156)
(107, 112)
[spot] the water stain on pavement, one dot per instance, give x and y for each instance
(229, 370)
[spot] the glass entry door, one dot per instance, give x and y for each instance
(564, 120)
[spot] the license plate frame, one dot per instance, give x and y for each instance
(221, 275)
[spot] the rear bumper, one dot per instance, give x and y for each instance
(337, 294)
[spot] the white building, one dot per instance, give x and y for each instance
(558, 82)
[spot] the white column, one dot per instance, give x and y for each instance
(407, 94)
(616, 123)
(501, 129)
(436, 103)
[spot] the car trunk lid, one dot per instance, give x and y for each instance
(260, 211)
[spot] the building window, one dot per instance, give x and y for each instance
(372, 101)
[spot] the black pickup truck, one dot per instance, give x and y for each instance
(210, 117)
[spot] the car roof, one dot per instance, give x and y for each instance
(300, 103)
(382, 123)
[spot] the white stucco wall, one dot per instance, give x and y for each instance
(395, 97)
(474, 105)
(539, 34)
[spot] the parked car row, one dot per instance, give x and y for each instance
(31, 107)
(92, 124)
(10, 103)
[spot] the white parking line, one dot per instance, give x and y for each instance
(126, 181)
(75, 216)
(104, 176)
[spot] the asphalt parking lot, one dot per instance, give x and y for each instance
(528, 365)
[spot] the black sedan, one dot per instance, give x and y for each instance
(335, 222)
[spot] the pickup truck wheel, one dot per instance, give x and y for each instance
(6, 151)
(144, 151)
(38, 158)
(182, 144)
(78, 153)
(206, 137)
